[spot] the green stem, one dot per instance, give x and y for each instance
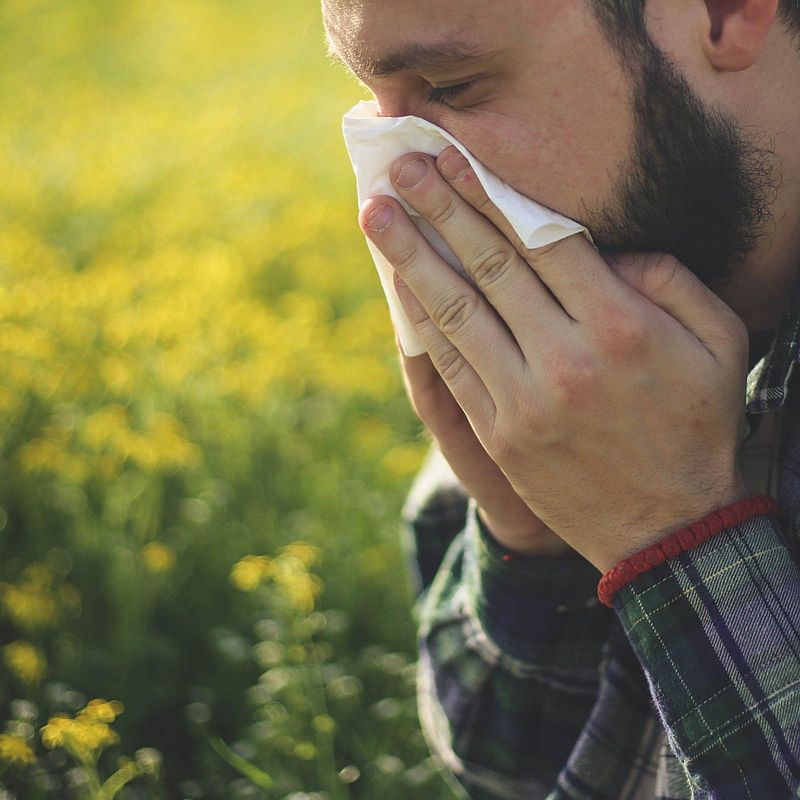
(242, 765)
(90, 770)
(114, 784)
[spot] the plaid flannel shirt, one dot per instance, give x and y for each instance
(688, 688)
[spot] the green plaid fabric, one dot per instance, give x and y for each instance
(688, 689)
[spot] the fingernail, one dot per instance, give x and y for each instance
(380, 218)
(412, 173)
(454, 167)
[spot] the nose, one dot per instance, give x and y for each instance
(393, 103)
(395, 109)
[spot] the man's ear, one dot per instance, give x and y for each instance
(734, 32)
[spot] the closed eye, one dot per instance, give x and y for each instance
(443, 95)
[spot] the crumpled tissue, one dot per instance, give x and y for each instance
(374, 143)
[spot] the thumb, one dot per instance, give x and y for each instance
(674, 288)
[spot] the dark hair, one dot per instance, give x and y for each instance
(624, 19)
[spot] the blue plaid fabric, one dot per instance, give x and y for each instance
(688, 689)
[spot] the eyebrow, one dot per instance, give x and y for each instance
(411, 57)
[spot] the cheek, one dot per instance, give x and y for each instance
(559, 160)
(560, 138)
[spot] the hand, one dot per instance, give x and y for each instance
(610, 396)
(509, 519)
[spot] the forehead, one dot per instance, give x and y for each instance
(365, 33)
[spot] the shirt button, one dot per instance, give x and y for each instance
(592, 602)
(561, 609)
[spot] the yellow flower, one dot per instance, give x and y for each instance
(15, 750)
(88, 734)
(158, 557)
(31, 603)
(248, 573)
(103, 710)
(56, 730)
(301, 589)
(304, 552)
(28, 606)
(25, 661)
(404, 460)
(35, 602)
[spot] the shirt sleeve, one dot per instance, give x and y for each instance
(717, 631)
(510, 654)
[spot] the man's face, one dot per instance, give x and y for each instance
(546, 101)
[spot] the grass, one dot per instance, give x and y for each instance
(205, 441)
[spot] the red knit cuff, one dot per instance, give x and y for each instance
(630, 568)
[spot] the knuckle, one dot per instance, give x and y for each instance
(444, 211)
(450, 364)
(490, 266)
(547, 254)
(662, 269)
(624, 334)
(454, 311)
(735, 331)
(503, 449)
(480, 200)
(406, 257)
(573, 380)
(738, 329)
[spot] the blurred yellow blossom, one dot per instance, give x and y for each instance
(34, 602)
(404, 460)
(28, 606)
(248, 573)
(300, 589)
(304, 552)
(103, 710)
(288, 573)
(88, 734)
(158, 557)
(15, 750)
(25, 661)
(292, 578)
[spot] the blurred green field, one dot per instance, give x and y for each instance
(205, 442)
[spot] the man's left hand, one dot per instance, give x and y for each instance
(611, 394)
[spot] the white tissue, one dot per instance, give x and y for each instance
(375, 143)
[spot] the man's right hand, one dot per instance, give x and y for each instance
(502, 511)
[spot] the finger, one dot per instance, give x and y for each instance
(432, 400)
(445, 419)
(668, 284)
(502, 275)
(456, 170)
(461, 379)
(572, 270)
(450, 302)
(429, 394)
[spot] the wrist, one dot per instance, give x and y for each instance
(685, 539)
(606, 558)
(526, 537)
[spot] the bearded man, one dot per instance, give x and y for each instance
(629, 413)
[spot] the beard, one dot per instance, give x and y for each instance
(697, 187)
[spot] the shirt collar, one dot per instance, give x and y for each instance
(768, 381)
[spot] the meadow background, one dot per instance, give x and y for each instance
(204, 441)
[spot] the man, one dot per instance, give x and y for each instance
(589, 407)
